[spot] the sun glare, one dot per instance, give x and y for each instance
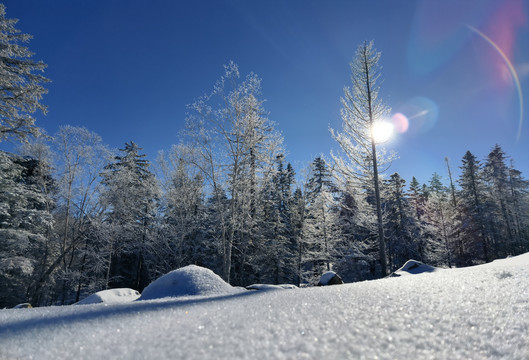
(382, 131)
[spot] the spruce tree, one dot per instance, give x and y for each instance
(130, 196)
(472, 201)
(320, 228)
(442, 247)
(519, 205)
(298, 221)
(25, 223)
(501, 219)
(276, 251)
(404, 234)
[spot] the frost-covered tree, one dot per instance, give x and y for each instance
(41, 156)
(297, 218)
(362, 108)
(474, 227)
(277, 243)
(441, 248)
(454, 213)
(501, 218)
(519, 205)
(404, 234)
(321, 232)
(131, 198)
(21, 87)
(181, 239)
(357, 250)
(236, 147)
(80, 158)
(25, 222)
(417, 200)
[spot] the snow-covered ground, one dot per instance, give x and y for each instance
(480, 312)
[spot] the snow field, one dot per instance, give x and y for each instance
(472, 313)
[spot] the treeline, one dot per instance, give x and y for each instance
(76, 218)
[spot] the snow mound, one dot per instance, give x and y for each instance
(111, 296)
(271, 287)
(413, 267)
(187, 281)
(330, 278)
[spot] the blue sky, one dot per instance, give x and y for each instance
(127, 69)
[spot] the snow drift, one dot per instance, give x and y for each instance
(111, 296)
(479, 312)
(191, 280)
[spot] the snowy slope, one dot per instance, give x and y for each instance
(480, 312)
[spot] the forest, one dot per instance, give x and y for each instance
(77, 217)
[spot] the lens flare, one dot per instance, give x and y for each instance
(513, 72)
(400, 123)
(421, 115)
(382, 131)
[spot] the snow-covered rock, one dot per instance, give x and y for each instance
(111, 296)
(330, 278)
(270, 287)
(187, 281)
(23, 306)
(413, 267)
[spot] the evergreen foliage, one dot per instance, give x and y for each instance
(25, 223)
(130, 199)
(129, 230)
(21, 87)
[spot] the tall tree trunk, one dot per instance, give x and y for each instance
(380, 225)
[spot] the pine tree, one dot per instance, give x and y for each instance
(21, 88)
(320, 228)
(443, 242)
(320, 179)
(130, 196)
(472, 201)
(496, 175)
(298, 222)
(357, 248)
(416, 200)
(454, 213)
(25, 222)
(404, 234)
(276, 248)
(519, 205)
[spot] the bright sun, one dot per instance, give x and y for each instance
(382, 131)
